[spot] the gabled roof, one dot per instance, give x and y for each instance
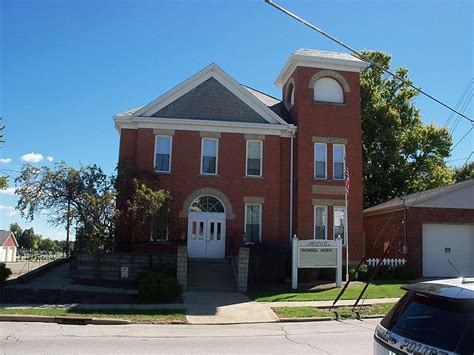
(272, 103)
(4, 235)
(210, 95)
(422, 199)
(319, 59)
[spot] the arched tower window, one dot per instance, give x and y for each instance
(328, 90)
(289, 98)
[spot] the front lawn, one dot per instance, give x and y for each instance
(382, 290)
(343, 312)
(134, 316)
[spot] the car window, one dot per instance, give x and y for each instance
(431, 321)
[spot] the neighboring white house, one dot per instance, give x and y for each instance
(8, 246)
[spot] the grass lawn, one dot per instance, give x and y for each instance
(343, 312)
(382, 290)
(134, 316)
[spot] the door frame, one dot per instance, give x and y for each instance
(205, 217)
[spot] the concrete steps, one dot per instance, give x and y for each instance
(210, 275)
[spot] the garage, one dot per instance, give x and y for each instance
(8, 246)
(442, 243)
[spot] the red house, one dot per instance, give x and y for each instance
(243, 166)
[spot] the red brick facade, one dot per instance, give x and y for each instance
(313, 121)
(390, 225)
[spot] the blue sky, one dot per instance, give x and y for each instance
(68, 66)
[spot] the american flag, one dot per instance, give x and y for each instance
(348, 180)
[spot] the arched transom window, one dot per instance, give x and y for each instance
(328, 90)
(207, 204)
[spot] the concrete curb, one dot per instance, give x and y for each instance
(323, 319)
(62, 320)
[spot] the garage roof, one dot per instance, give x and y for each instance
(4, 236)
(430, 198)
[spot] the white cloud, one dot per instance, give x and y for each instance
(9, 210)
(5, 160)
(49, 158)
(8, 191)
(32, 157)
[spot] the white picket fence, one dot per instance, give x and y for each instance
(389, 262)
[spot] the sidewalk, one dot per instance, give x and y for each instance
(329, 303)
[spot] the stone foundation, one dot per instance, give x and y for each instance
(109, 267)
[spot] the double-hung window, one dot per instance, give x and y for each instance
(254, 158)
(320, 222)
(163, 154)
(338, 157)
(209, 154)
(253, 222)
(339, 222)
(320, 159)
(159, 234)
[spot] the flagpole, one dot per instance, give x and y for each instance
(346, 237)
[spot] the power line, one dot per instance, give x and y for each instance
(469, 157)
(459, 141)
(461, 99)
(464, 107)
(362, 57)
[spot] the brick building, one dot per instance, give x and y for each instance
(428, 229)
(243, 166)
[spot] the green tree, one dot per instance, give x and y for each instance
(49, 245)
(85, 196)
(401, 154)
(464, 172)
(29, 240)
(16, 229)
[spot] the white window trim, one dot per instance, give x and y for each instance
(343, 161)
(260, 219)
(217, 154)
(326, 161)
(325, 222)
(334, 224)
(171, 153)
(159, 240)
(247, 157)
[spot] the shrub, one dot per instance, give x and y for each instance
(156, 287)
(4, 273)
(385, 272)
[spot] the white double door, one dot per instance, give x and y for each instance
(206, 235)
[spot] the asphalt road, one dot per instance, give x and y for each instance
(348, 337)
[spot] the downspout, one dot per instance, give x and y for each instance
(292, 132)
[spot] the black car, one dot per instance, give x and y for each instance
(435, 317)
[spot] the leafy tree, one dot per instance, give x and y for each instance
(49, 245)
(140, 206)
(85, 196)
(29, 240)
(464, 172)
(401, 154)
(16, 229)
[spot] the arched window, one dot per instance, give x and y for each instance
(328, 90)
(291, 95)
(207, 204)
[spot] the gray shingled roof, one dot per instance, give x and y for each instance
(325, 54)
(272, 103)
(414, 199)
(4, 236)
(210, 101)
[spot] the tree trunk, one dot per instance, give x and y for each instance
(67, 227)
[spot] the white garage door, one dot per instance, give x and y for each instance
(443, 242)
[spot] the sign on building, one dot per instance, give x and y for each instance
(316, 254)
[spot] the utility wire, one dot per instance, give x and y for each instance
(459, 141)
(461, 99)
(464, 107)
(362, 57)
(467, 160)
